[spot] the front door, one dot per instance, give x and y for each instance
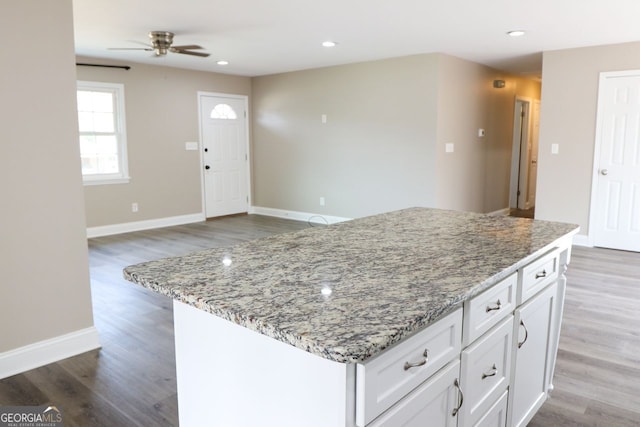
(224, 144)
(616, 208)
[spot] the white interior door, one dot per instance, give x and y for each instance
(616, 201)
(224, 143)
(533, 156)
(520, 155)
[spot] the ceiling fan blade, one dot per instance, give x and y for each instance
(188, 52)
(130, 48)
(187, 47)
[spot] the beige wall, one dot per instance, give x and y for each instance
(568, 118)
(383, 145)
(467, 103)
(475, 177)
(376, 151)
(44, 290)
(161, 114)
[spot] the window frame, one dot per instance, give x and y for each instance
(117, 89)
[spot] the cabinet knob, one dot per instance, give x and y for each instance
(456, 410)
(495, 307)
(526, 334)
(423, 362)
(542, 274)
(491, 373)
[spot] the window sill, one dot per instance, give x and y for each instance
(106, 181)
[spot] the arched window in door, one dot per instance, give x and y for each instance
(223, 111)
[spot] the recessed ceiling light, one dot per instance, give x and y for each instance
(222, 62)
(516, 33)
(329, 43)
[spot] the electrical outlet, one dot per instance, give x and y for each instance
(134, 207)
(321, 201)
(448, 148)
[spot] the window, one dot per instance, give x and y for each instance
(103, 146)
(223, 111)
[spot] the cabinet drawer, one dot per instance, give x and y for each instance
(496, 416)
(486, 371)
(431, 404)
(385, 379)
(537, 275)
(484, 311)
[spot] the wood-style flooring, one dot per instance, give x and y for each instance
(131, 380)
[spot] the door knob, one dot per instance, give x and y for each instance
(206, 150)
(604, 172)
(207, 167)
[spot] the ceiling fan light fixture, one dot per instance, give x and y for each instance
(162, 43)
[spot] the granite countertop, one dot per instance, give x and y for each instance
(347, 291)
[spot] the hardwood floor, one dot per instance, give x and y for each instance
(597, 377)
(131, 380)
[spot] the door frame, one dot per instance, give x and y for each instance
(516, 148)
(595, 169)
(244, 98)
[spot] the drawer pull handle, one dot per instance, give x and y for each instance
(542, 274)
(493, 372)
(456, 410)
(495, 307)
(423, 362)
(526, 334)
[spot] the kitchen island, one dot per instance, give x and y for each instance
(304, 328)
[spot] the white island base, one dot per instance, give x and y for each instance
(230, 376)
(494, 368)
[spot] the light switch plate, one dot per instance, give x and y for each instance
(191, 146)
(555, 148)
(448, 148)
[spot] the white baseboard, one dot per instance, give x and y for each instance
(504, 211)
(298, 216)
(127, 227)
(42, 353)
(582, 240)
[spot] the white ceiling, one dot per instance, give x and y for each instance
(261, 37)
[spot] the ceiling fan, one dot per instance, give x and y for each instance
(161, 42)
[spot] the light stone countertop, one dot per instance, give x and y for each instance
(347, 291)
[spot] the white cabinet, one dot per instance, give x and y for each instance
(496, 416)
(484, 311)
(431, 404)
(485, 372)
(486, 364)
(385, 379)
(532, 356)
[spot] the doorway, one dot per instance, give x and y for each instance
(524, 158)
(224, 153)
(615, 190)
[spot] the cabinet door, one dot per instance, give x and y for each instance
(485, 372)
(531, 346)
(496, 416)
(434, 403)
